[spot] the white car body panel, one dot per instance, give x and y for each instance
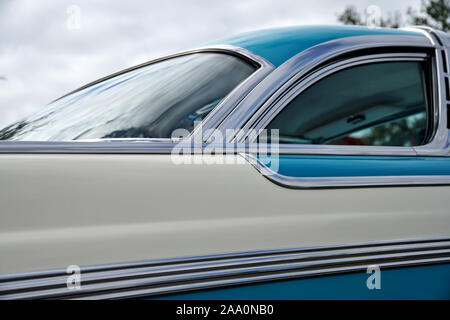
(59, 210)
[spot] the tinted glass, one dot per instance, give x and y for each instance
(381, 104)
(149, 102)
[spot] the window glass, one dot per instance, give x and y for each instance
(380, 104)
(149, 102)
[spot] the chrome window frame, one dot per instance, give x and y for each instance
(154, 145)
(272, 111)
(267, 94)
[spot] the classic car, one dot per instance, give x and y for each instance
(306, 162)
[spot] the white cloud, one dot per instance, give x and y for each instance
(42, 58)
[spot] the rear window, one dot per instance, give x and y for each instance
(149, 102)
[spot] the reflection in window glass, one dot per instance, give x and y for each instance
(149, 102)
(381, 104)
(402, 132)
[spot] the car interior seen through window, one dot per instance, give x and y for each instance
(378, 104)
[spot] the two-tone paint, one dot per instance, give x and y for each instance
(128, 215)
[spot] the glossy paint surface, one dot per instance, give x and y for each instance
(344, 166)
(278, 45)
(59, 210)
(421, 282)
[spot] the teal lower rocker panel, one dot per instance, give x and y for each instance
(419, 282)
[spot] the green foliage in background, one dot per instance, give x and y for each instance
(433, 13)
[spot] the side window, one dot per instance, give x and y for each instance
(147, 102)
(378, 104)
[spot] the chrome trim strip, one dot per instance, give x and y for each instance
(225, 263)
(165, 146)
(341, 182)
(147, 278)
(82, 147)
(258, 279)
(317, 149)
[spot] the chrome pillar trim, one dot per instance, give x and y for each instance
(440, 145)
(301, 64)
(204, 130)
(342, 182)
(156, 277)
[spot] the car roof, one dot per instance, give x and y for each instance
(278, 45)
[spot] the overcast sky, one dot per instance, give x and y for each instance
(47, 49)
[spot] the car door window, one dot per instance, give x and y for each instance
(378, 104)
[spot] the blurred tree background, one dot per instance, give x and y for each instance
(433, 13)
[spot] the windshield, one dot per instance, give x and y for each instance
(149, 102)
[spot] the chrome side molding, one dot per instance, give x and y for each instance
(166, 276)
